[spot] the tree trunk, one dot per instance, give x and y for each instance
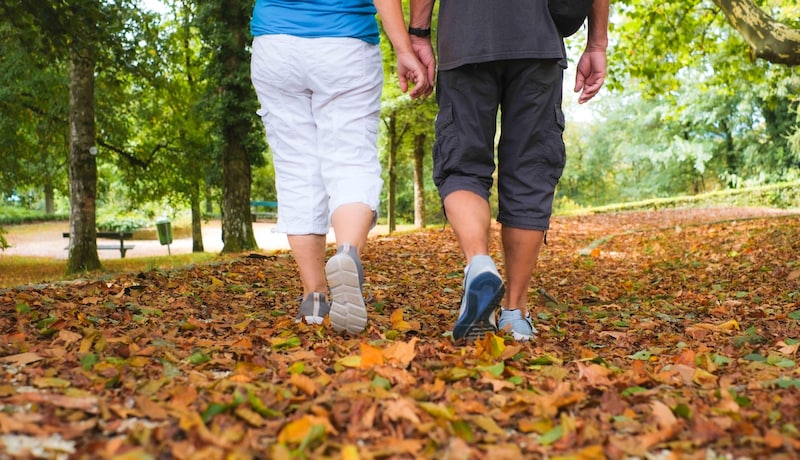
(197, 216)
(237, 224)
(209, 199)
(392, 173)
(49, 198)
(420, 218)
(82, 163)
(768, 38)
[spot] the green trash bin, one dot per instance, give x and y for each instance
(164, 228)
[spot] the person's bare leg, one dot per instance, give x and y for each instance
(470, 216)
(351, 224)
(521, 249)
(309, 254)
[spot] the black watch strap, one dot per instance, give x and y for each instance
(419, 32)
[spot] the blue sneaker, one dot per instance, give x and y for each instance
(520, 327)
(483, 291)
(345, 278)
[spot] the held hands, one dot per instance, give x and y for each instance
(590, 75)
(410, 69)
(423, 48)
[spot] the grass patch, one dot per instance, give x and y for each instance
(21, 271)
(784, 195)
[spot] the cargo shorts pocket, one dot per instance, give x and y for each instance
(446, 143)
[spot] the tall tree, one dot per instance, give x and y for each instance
(88, 35)
(82, 158)
(225, 29)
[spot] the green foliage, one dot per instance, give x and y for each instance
(14, 215)
(121, 222)
(783, 195)
(263, 187)
(687, 114)
(33, 114)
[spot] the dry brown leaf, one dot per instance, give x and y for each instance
(401, 409)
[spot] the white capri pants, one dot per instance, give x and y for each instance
(320, 104)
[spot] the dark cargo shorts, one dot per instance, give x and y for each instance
(530, 153)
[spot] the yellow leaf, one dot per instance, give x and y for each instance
(216, 283)
(370, 356)
(350, 452)
(139, 361)
(588, 453)
(86, 344)
(704, 378)
(50, 382)
(488, 425)
(538, 425)
(296, 431)
(249, 416)
(498, 346)
(398, 322)
(728, 326)
(437, 410)
(240, 327)
(350, 361)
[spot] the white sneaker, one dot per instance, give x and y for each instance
(520, 327)
(345, 277)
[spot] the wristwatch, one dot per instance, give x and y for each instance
(419, 32)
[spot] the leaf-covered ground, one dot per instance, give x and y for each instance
(670, 334)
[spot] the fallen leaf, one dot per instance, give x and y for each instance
(21, 359)
(401, 409)
(370, 356)
(297, 430)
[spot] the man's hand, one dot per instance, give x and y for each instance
(424, 50)
(409, 69)
(590, 75)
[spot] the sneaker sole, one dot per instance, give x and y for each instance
(310, 319)
(475, 322)
(348, 311)
(520, 337)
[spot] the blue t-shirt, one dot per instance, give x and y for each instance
(316, 18)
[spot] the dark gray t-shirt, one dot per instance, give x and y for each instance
(473, 31)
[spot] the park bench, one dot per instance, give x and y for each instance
(270, 210)
(120, 236)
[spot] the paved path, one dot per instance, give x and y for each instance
(45, 240)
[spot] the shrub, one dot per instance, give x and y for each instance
(14, 215)
(121, 222)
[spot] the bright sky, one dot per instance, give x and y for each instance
(155, 5)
